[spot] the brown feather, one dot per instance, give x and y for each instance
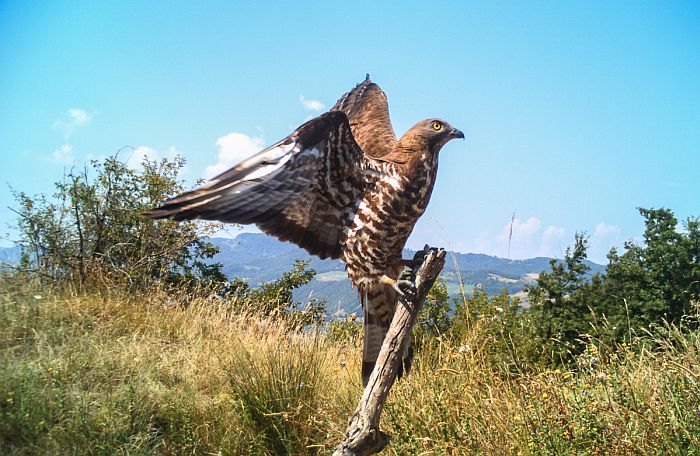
(368, 112)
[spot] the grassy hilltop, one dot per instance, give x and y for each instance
(123, 335)
(130, 374)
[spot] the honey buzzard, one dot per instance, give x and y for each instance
(340, 186)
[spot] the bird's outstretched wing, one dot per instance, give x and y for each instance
(368, 112)
(305, 189)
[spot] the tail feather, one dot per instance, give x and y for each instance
(379, 303)
(407, 361)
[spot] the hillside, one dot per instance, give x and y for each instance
(260, 258)
(9, 255)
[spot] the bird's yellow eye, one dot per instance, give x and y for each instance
(436, 126)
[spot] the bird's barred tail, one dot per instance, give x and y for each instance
(379, 303)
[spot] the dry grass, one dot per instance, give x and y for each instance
(134, 375)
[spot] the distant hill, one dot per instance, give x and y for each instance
(10, 255)
(259, 258)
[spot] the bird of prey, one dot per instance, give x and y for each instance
(340, 186)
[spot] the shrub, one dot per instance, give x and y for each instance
(91, 232)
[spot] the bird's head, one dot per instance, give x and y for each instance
(432, 134)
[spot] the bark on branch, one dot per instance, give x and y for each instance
(363, 436)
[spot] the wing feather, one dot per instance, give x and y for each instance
(304, 189)
(368, 113)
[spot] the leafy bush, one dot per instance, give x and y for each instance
(92, 234)
(434, 317)
(347, 331)
(647, 286)
(275, 300)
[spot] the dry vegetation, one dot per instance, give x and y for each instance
(106, 374)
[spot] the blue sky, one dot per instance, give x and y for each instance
(576, 113)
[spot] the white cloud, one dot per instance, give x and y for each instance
(604, 237)
(79, 116)
(520, 241)
(604, 230)
(527, 228)
(64, 155)
(552, 243)
(531, 239)
(311, 104)
(528, 240)
(233, 149)
(71, 120)
(554, 231)
(137, 156)
(67, 124)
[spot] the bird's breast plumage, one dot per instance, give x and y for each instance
(396, 196)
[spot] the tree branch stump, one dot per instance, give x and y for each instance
(363, 436)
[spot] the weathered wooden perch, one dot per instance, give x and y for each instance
(363, 436)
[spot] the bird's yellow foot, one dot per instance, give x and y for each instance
(386, 280)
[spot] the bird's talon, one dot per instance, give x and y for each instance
(406, 288)
(408, 274)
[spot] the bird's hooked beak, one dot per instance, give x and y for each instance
(455, 133)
